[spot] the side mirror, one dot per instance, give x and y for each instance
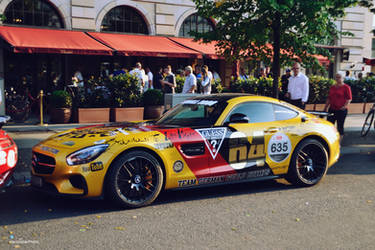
(238, 118)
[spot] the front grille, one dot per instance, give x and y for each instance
(43, 164)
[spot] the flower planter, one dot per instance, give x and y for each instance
(310, 107)
(127, 114)
(319, 107)
(60, 115)
(88, 115)
(356, 108)
(154, 111)
(368, 106)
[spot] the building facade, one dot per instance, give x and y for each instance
(162, 17)
(172, 18)
(358, 21)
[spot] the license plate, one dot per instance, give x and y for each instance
(36, 181)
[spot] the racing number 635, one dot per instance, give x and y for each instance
(279, 147)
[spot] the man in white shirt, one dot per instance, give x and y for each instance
(298, 87)
(137, 72)
(150, 78)
(190, 81)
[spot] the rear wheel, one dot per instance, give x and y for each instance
(309, 163)
(135, 179)
(367, 124)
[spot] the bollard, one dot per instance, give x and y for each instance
(41, 107)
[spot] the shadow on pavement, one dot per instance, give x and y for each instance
(21, 204)
(354, 164)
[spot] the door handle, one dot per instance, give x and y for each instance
(271, 130)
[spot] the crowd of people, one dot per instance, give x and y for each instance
(198, 81)
(294, 86)
(296, 91)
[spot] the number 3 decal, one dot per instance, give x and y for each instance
(279, 147)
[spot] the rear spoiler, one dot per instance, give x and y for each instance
(321, 114)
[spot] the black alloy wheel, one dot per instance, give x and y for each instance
(135, 179)
(309, 163)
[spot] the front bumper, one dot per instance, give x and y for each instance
(51, 174)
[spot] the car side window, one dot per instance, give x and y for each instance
(283, 113)
(255, 111)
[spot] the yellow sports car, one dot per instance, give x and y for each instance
(207, 140)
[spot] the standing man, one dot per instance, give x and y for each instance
(137, 72)
(285, 82)
(150, 78)
(157, 82)
(169, 82)
(190, 81)
(298, 87)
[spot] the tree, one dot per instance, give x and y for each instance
(277, 31)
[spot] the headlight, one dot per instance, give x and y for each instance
(86, 155)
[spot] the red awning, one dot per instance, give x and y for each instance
(208, 49)
(32, 40)
(369, 61)
(141, 45)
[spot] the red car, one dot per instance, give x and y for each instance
(8, 155)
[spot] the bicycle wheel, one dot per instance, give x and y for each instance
(367, 125)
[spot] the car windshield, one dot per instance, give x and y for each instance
(194, 113)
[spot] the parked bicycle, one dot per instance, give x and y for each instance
(369, 121)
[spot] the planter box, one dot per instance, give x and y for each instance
(60, 115)
(356, 108)
(153, 112)
(319, 107)
(127, 114)
(368, 106)
(310, 107)
(88, 115)
(353, 108)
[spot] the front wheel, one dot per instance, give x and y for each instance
(135, 179)
(367, 124)
(309, 163)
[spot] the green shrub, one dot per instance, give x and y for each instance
(124, 91)
(180, 80)
(61, 99)
(153, 97)
(262, 86)
(362, 90)
(217, 87)
(319, 88)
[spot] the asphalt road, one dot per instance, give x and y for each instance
(336, 214)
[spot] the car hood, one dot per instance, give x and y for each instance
(99, 134)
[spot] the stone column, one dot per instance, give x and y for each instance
(83, 15)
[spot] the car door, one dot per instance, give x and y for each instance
(250, 145)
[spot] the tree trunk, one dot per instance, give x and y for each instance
(276, 55)
(236, 69)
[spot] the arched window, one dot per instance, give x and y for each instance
(124, 19)
(195, 23)
(33, 13)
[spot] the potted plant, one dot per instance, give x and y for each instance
(61, 104)
(125, 98)
(93, 103)
(153, 100)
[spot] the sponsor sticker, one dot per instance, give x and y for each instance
(279, 147)
(96, 166)
(213, 138)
